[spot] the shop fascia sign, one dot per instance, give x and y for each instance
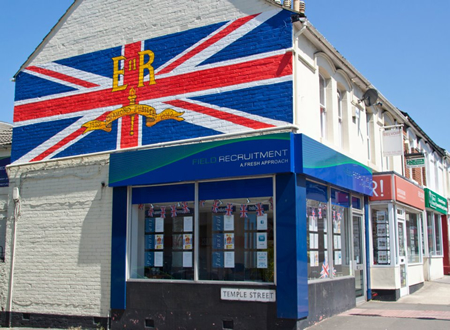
(400, 190)
(435, 201)
(415, 160)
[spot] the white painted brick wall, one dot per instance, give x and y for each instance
(63, 238)
(94, 25)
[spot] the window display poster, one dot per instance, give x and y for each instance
(159, 225)
(337, 242)
(149, 242)
(381, 216)
(261, 258)
(188, 224)
(337, 226)
(177, 260)
(187, 259)
(187, 241)
(313, 241)
(149, 259)
(229, 259)
(262, 222)
(177, 225)
(337, 258)
(382, 257)
(325, 241)
(217, 260)
(229, 241)
(325, 225)
(228, 222)
(312, 223)
(159, 242)
(261, 241)
(177, 242)
(381, 229)
(250, 222)
(217, 241)
(158, 259)
(314, 258)
(382, 243)
(149, 225)
(218, 223)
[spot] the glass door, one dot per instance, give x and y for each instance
(402, 260)
(358, 259)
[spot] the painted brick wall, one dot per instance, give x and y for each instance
(63, 238)
(218, 67)
(94, 25)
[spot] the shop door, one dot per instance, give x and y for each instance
(358, 260)
(402, 260)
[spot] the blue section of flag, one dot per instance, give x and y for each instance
(95, 141)
(102, 59)
(26, 138)
(272, 101)
(167, 47)
(29, 86)
(166, 131)
(274, 34)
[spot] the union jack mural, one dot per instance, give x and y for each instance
(227, 77)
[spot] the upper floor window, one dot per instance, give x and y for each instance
(339, 116)
(369, 130)
(323, 106)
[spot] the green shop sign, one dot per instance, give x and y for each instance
(415, 162)
(435, 201)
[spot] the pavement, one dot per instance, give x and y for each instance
(427, 308)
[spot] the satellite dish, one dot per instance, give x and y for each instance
(370, 97)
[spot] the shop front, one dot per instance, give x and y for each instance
(436, 211)
(396, 218)
(216, 233)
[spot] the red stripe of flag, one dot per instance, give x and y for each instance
(62, 76)
(232, 27)
(220, 114)
(256, 70)
(131, 78)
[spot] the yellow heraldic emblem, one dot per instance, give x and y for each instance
(133, 109)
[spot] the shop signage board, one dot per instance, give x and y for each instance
(435, 201)
(415, 162)
(403, 190)
(226, 158)
(318, 161)
(392, 142)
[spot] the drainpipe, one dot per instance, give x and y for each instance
(16, 199)
(366, 220)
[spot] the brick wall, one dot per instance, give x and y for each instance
(62, 255)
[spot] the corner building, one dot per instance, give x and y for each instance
(169, 176)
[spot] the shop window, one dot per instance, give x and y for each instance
(317, 237)
(412, 237)
(434, 234)
(380, 235)
(340, 202)
(236, 231)
(437, 230)
(162, 233)
(357, 203)
(235, 236)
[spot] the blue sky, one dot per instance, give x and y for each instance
(401, 47)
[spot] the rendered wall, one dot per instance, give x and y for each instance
(63, 244)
